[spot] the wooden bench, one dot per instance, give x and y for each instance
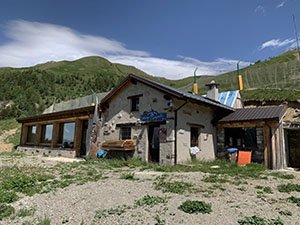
(120, 145)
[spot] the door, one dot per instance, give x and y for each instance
(153, 143)
(85, 125)
(294, 148)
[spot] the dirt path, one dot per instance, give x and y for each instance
(111, 200)
(4, 147)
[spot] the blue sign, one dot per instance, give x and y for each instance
(153, 116)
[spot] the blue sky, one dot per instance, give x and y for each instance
(162, 37)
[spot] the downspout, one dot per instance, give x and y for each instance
(175, 128)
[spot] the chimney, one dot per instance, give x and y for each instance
(212, 90)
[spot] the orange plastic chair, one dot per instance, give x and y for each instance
(244, 157)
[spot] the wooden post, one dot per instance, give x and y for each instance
(78, 136)
(24, 134)
(37, 140)
(273, 143)
(267, 147)
(55, 134)
(278, 152)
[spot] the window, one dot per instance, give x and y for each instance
(31, 134)
(66, 135)
(46, 136)
(125, 133)
(135, 104)
(194, 137)
(240, 137)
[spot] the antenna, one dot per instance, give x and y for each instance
(294, 19)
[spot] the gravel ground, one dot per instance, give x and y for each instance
(78, 204)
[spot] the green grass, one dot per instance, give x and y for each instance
(282, 175)
(25, 212)
(285, 213)
(256, 220)
(44, 221)
(119, 210)
(128, 176)
(6, 211)
(177, 187)
(192, 207)
(288, 188)
(149, 200)
(8, 124)
(294, 199)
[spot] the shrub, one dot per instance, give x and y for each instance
(195, 207)
(6, 210)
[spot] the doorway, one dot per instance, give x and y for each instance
(294, 148)
(153, 141)
(85, 124)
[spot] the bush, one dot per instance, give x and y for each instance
(6, 210)
(195, 207)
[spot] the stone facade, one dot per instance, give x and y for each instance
(119, 114)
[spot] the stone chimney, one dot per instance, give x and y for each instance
(212, 90)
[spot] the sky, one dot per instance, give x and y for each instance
(167, 38)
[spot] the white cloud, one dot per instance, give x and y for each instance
(260, 9)
(276, 43)
(280, 4)
(31, 43)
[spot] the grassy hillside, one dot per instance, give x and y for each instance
(280, 73)
(27, 91)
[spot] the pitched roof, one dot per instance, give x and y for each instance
(255, 114)
(180, 94)
(77, 103)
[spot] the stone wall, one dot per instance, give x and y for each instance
(257, 154)
(46, 151)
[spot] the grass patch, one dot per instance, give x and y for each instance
(8, 196)
(159, 221)
(288, 188)
(172, 186)
(282, 175)
(112, 211)
(268, 190)
(256, 220)
(44, 221)
(6, 211)
(294, 199)
(128, 176)
(150, 200)
(195, 207)
(286, 213)
(215, 179)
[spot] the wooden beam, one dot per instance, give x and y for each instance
(78, 136)
(65, 120)
(278, 148)
(242, 124)
(24, 134)
(267, 147)
(37, 140)
(273, 143)
(55, 134)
